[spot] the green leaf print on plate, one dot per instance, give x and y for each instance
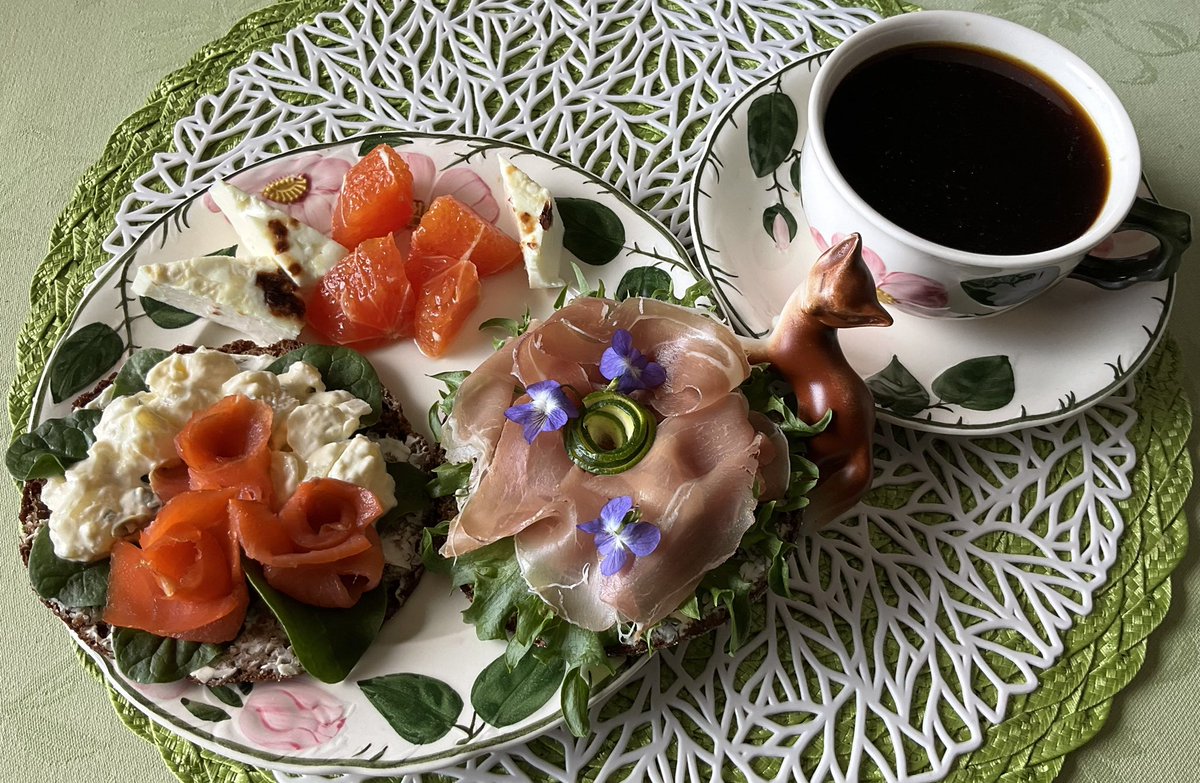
(205, 712)
(1005, 290)
(421, 709)
(591, 231)
(83, 358)
(771, 213)
(164, 315)
(895, 388)
(773, 127)
(982, 384)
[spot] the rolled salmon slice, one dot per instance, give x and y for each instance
(184, 578)
(228, 445)
(321, 548)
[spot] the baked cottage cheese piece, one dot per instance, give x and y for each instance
(539, 229)
(260, 291)
(250, 295)
(303, 253)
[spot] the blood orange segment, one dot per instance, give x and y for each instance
(422, 269)
(451, 228)
(446, 302)
(376, 198)
(366, 296)
(377, 293)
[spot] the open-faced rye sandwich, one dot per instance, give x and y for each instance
(240, 514)
(631, 473)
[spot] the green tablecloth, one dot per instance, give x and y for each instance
(73, 69)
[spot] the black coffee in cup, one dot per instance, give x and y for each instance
(968, 149)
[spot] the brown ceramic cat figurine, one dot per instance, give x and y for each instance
(803, 346)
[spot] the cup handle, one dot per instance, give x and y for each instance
(1172, 229)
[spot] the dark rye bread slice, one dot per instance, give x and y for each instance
(261, 652)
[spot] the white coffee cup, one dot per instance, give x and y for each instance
(993, 283)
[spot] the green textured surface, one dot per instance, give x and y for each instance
(41, 705)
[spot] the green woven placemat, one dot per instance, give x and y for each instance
(1104, 650)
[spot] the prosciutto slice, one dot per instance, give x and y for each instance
(702, 357)
(696, 485)
(519, 487)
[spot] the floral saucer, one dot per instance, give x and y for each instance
(1057, 355)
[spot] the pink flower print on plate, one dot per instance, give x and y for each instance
(291, 717)
(909, 292)
(322, 179)
(460, 182)
(781, 233)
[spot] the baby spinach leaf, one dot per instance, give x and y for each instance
(329, 642)
(83, 358)
(205, 712)
(164, 315)
(340, 368)
(421, 709)
(74, 584)
(412, 493)
(591, 231)
(772, 126)
(53, 446)
(132, 377)
(897, 390)
(504, 696)
(146, 658)
(575, 694)
(984, 383)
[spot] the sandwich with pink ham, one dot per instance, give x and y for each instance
(628, 474)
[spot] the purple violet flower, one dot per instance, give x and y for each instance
(628, 367)
(620, 536)
(547, 410)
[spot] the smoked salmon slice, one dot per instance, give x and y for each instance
(321, 548)
(167, 481)
(184, 577)
(228, 446)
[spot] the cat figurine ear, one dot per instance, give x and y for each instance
(839, 293)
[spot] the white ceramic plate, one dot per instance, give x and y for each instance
(315, 728)
(1053, 357)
